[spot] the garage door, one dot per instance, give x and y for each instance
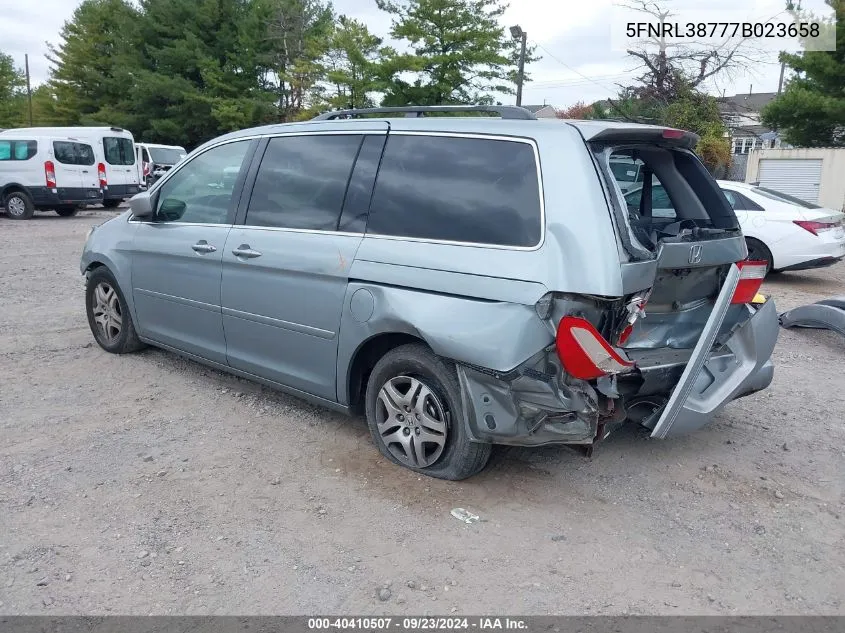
(799, 177)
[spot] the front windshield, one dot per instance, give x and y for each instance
(167, 155)
(782, 197)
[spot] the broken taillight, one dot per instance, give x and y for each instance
(751, 275)
(583, 351)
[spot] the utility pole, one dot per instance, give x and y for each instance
(518, 33)
(780, 81)
(28, 87)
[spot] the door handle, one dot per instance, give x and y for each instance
(203, 247)
(245, 251)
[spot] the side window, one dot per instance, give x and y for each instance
(201, 192)
(302, 181)
(745, 203)
(70, 153)
(661, 205)
(18, 150)
(118, 150)
(458, 189)
(146, 156)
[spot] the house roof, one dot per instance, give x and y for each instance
(751, 102)
(536, 108)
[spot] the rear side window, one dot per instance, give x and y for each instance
(118, 150)
(18, 149)
(70, 153)
(739, 202)
(475, 190)
(302, 181)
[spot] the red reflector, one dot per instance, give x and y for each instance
(815, 227)
(50, 174)
(101, 174)
(625, 334)
(673, 133)
(583, 351)
(751, 275)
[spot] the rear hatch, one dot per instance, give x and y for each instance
(677, 233)
(74, 167)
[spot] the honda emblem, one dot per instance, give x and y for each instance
(695, 254)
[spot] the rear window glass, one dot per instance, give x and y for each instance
(119, 150)
(18, 149)
(167, 155)
(475, 190)
(70, 153)
(782, 197)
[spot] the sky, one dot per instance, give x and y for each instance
(581, 61)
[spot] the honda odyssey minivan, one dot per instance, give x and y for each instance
(461, 281)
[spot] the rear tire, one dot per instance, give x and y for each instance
(108, 315)
(759, 251)
(19, 205)
(414, 412)
(111, 204)
(67, 212)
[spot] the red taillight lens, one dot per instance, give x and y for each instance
(815, 227)
(101, 174)
(50, 174)
(583, 351)
(751, 275)
(146, 169)
(672, 133)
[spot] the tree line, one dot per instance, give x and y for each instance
(184, 71)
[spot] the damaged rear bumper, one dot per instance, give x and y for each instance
(535, 404)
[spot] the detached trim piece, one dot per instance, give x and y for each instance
(700, 354)
(828, 314)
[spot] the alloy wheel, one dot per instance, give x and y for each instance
(107, 312)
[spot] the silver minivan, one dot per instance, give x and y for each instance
(462, 281)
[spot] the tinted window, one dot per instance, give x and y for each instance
(302, 180)
(360, 190)
(18, 150)
(167, 155)
(70, 153)
(118, 150)
(457, 189)
(202, 190)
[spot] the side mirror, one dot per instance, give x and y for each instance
(141, 205)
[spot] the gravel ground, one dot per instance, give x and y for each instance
(148, 484)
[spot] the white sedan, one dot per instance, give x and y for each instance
(787, 232)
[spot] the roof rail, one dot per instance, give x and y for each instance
(506, 112)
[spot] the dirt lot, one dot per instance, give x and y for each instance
(148, 484)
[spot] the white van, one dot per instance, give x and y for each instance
(155, 160)
(114, 148)
(39, 172)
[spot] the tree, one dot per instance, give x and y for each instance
(353, 64)
(92, 66)
(296, 42)
(672, 68)
(459, 52)
(579, 110)
(12, 97)
(811, 111)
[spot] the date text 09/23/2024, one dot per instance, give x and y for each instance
(417, 623)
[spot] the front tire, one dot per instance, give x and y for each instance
(19, 205)
(108, 315)
(111, 204)
(414, 413)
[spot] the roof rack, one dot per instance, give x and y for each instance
(506, 112)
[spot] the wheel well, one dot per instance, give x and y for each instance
(366, 358)
(11, 189)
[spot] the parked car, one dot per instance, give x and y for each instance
(461, 281)
(46, 173)
(114, 149)
(155, 160)
(784, 231)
